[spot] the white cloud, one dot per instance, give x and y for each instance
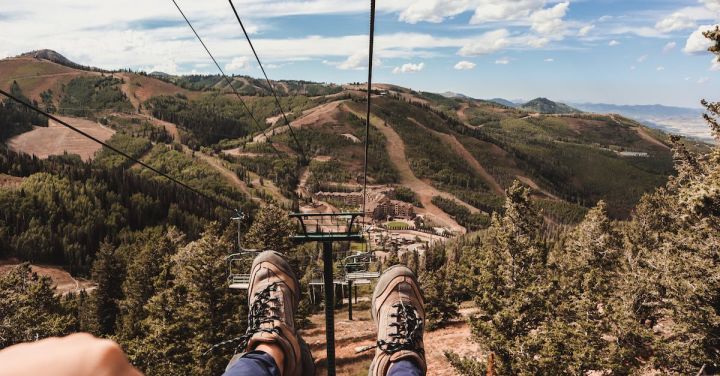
(605, 18)
(632, 67)
(464, 65)
(660, 68)
(503, 61)
(585, 30)
(433, 10)
(238, 64)
(703, 80)
(674, 22)
(697, 43)
(409, 68)
(613, 43)
(669, 47)
(503, 10)
(549, 21)
(642, 58)
(487, 43)
(715, 65)
(549, 60)
(712, 5)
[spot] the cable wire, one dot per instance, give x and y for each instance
(228, 80)
(141, 163)
(369, 95)
(272, 89)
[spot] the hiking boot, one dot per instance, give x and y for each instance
(399, 313)
(273, 297)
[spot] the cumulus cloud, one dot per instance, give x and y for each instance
(549, 60)
(502, 61)
(660, 68)
(464, 65)
(432, 10)
(715, 65)
(409, 68)
(503, 10)
(237, 64)
(669, 47)
(642, 58)
(696, 43)
(550, 21)
(713, 5)
(487, 43)
(674, 22)
(585, 30)
(613, 43)
(605, 18)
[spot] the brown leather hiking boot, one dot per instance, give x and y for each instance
(273, 297)
(399, 313)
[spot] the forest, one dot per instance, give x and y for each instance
(626, 287)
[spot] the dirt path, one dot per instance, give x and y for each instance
(465, 154)
(529, 182)
(62, 281)
(350, 335)
(642, 132)
(314, 115)
(125, 88)
(230, 176)
(171, 128)
(396, 150)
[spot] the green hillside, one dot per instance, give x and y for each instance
(546, 106)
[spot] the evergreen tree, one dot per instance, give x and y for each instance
(107, 272)
(272, 230)
(29, 308)
(513, 285)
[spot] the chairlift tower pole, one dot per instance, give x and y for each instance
(351, 233)
(239, 216)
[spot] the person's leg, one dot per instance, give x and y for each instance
(256, 363)
(272, 344)
(399, 314)
(404, 367)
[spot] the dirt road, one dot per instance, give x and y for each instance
(314, 115)
(466, 156)
(396, 150)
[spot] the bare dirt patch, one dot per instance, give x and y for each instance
(315, 116)
(56, 139)
(11, 182)
(63, 282)
(350, 335)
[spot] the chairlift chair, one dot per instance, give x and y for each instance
(238, 265)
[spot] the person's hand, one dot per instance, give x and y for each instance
(74, 355)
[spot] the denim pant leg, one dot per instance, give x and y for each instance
(254, 363)
(404, 367)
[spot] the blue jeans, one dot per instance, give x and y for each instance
(259, 363)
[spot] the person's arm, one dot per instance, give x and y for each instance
(74, 355)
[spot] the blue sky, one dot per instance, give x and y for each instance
(612, 51)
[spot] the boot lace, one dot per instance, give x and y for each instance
(262, 311)
(408, 331)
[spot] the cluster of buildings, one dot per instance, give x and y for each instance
(380, 202)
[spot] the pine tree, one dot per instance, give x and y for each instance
(29, 308)
(272, 230)
(512, 285)
(107, 272)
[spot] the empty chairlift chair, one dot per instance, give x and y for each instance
(238, 265)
